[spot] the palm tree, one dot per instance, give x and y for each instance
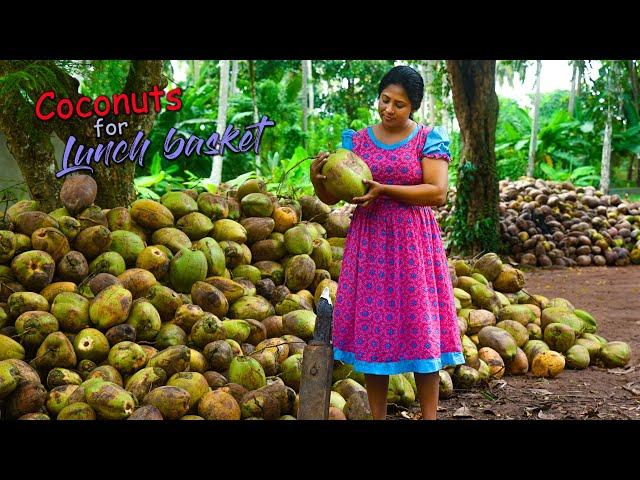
(534, 126)
(254, 101)
(475, 101)
(216, 164)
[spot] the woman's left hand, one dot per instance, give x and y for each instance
(375, 189)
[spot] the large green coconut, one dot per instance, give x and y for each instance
(519, 313)
(559, 336)
(214, 255)
(173, 402)
(470, 352)
(485, 298)
(187, 268)
(489, 265)
(563, 315)
(91, 344)
(615, 354)
(110, 307)
(519, 333)
(299, 272)
(345, 171)
(509, 280)
(9, 377)
(298, 240)
(445, 384)
(300, 323)
(71, 310)
(590, 323)
(145, 380)
(144, 317)
(179, 203)
(109, 400)
(246, 371)
(465, 377)
(292, 371)
(592, 346)
(192, 382)
(173, 359)
(577, 357)
(256, 205)
(127, 357)
(255, 307)
(127, 244)
(33, 269)
(33, 328)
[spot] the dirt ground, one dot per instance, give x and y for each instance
(612, 296)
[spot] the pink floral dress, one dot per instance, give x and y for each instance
(395, 309)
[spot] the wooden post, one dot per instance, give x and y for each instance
(317, 365)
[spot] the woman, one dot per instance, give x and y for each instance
(395, 309)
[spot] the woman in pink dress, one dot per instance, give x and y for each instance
(395, 309)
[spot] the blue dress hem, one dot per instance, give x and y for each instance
(428, 365)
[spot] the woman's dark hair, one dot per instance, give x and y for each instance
(407, 78)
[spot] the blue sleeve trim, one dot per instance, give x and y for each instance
(347, 139)
(437, 144)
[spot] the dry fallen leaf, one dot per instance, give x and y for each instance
(540, 391)
(546, 416)
(622, 371)
(631, 386)
(463, 412)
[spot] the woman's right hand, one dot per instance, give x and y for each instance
(316, 168)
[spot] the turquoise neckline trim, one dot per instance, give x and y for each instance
(391, 368)
(384, 146)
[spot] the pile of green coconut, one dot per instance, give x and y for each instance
(507, 330)
(199, 305)
(195, 306)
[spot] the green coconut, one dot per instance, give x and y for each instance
(615, 354)
(246, 371)
(345, 171)
(577, 357)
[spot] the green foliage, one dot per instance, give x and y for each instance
(103, 77)
(161, 181)
(353, 84)
(513, 133)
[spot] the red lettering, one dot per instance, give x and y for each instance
(39, 114)
(145, 104)
(86, 113)
(96, 105)
(117, 99)
(156, 94)
(117, 104)
(69, 105)
(174, 97)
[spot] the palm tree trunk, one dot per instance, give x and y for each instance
(424, 107)
(572, 95)
(216, 165)
(304, 93)
(475, 224)
(534, 126)
(233, 89)
(30, 143)
(633, 75)
(605, 168)
(252, 79)
(310, 86)
(606, 155)
(432, 98)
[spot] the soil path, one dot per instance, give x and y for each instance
(612, 296)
